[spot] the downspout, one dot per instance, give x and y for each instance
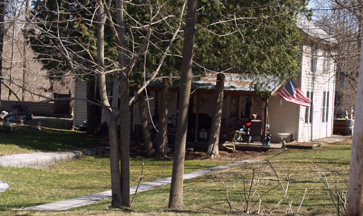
(297, 136)
(327, 105)
(313, 91)
(332, 114)
(312, 107)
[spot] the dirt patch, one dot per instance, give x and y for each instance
(303, 143)
(200, 153)
(236, 155)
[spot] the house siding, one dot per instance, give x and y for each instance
(152, 98)
(319, 82)
(283, 118)
(290, 118)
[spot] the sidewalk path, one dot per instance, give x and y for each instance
(334, 139)
(93, 198)
(43, 159)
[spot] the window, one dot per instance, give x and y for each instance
(326, 62)
(325, 107)
(309, 110)
(314, 58)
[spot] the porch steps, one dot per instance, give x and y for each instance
(257, 146)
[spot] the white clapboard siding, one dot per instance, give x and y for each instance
(319, 82)
(290, 118)
(283, 117)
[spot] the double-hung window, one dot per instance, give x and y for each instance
(325, 107)
(326, 62)
(314, 58)
(309, 110)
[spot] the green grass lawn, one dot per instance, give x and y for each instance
(61, 181)
(207, 195)
(30, 139)
(202, 196)
(88, 175)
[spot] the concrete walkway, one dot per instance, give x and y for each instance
(90, 199)
(334, 139)
(43, 159)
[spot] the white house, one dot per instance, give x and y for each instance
(316, 80)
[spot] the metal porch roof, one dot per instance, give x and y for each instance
(238, 82)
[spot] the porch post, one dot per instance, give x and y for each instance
(196, 134)
(264, 122)
(132, 114)
(239, 115)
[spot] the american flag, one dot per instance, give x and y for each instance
(293, 94)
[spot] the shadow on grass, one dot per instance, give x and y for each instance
(48, 139)
(51, 122)
(318, 162)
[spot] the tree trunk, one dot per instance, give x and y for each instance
(162, 136)
(213, 144)
(176, 190)
(124, 107)
(114, 162)
(2, 28)
(354, 194)
(24, 49)
(125, 140)
(12, 62)
(144, 126)
(94, 112)
(111, 120)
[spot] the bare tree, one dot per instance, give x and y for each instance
(111, 112)
(2, 14)
(26, 15)
(124, 105)
(343, 21)
(12, 64)
(75, 55)
(20, 71)
(355, 192)
(176, 190)
(67, 44)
